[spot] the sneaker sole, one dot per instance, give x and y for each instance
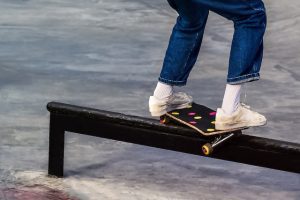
(238, 125)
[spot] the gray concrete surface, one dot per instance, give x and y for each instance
(107, 55)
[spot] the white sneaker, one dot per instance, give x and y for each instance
(243, 117)
(178, 100)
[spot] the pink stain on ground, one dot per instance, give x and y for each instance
(212, 113)
(37, 192)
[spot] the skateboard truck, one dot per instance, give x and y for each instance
(208, 148)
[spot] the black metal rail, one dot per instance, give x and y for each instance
(243, 148)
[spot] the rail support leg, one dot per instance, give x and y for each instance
(56, 147)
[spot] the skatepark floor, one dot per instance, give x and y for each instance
(107, 55)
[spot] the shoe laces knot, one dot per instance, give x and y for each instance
(245, 106)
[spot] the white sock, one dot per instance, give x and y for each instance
(163, 90)
(231, 98)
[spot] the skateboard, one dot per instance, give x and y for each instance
(201, 119)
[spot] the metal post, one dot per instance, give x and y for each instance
(56, 147)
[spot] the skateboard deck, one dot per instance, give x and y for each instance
(197, 117)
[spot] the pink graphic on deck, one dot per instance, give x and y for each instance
(193, 122)
(212, 113)
(192, 114)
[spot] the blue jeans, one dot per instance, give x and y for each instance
(249, 19)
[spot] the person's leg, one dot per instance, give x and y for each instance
(247, 45)
(181, 55)
(246, 54)
(185, 42)
(249, 20)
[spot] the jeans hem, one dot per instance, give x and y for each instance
(243, 79)
(171, 82)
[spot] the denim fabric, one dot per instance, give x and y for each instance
(246, 53)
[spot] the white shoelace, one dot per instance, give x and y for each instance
(245, 106)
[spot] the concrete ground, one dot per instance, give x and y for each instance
(107, 55)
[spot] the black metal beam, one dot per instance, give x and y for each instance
(243, 149)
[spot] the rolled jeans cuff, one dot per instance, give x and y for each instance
(243, 79)
(171, 82)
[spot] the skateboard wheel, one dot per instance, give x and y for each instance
(164, 119)
(207, 149)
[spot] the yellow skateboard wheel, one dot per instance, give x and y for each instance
(164, 120)
(207, 149)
